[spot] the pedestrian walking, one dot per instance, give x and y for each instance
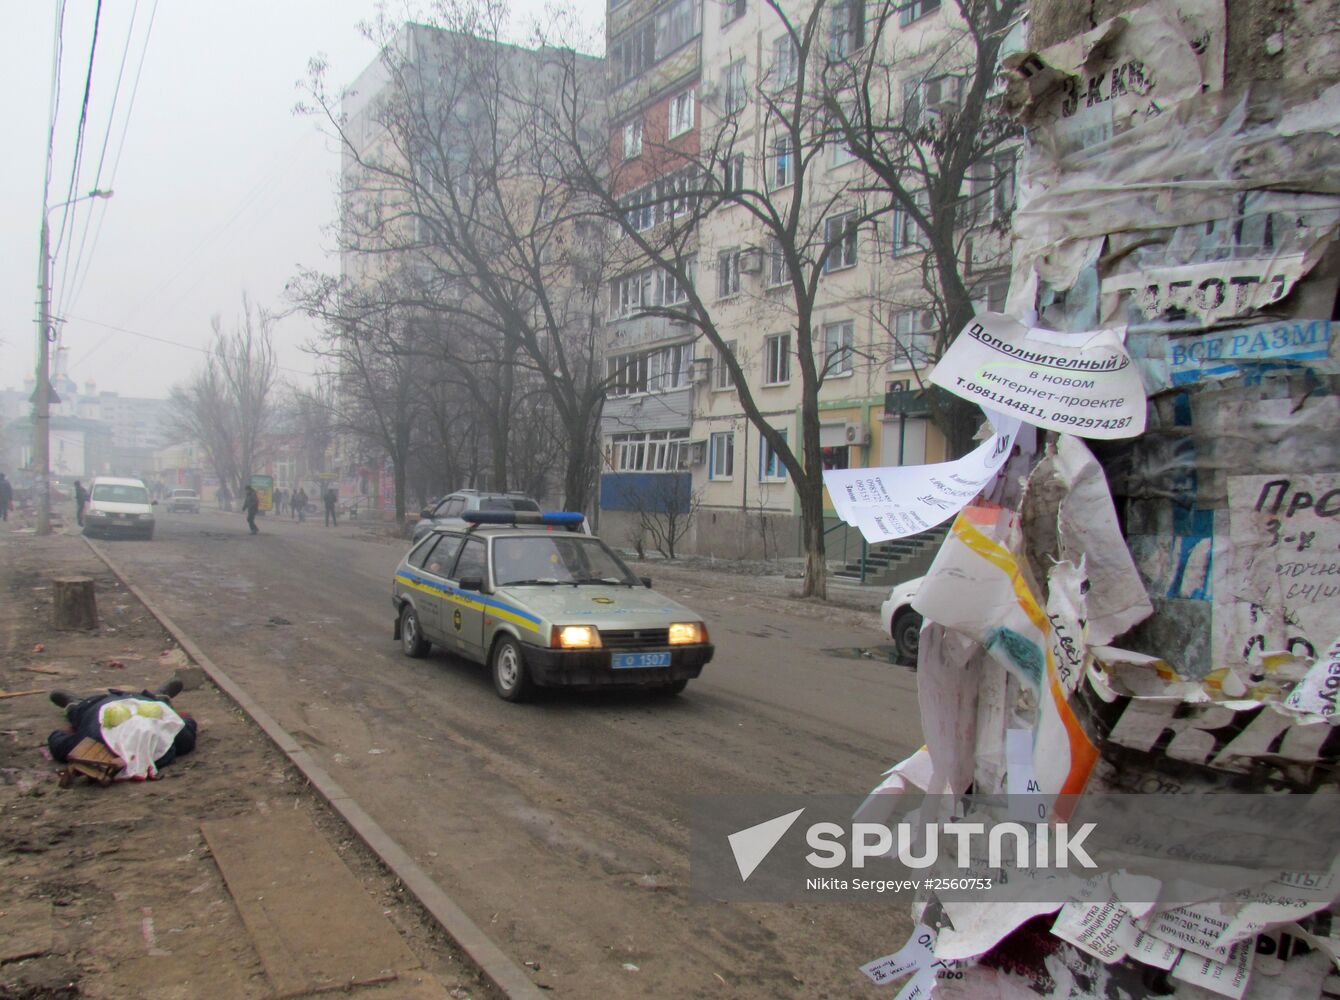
(224, 497)
(278, 501)
(329, 498)
(251, 503)
(80, 499)
(300, 505)
(6, 497)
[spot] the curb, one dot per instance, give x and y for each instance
(503, 973)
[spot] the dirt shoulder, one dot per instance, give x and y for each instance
(113, 892)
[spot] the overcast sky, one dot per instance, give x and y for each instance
(219, 188)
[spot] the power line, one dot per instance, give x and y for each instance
(65, 299)
(171, 343)
(53, 106)
(79, 139)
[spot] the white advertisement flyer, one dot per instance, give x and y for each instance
(1073, 383)
(897, 501)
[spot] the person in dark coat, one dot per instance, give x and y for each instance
(251, 504)
(300, 504)
(329, 497)
(6, 497)
(83, 715)
(80, 499)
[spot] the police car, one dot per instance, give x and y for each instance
(543, 604)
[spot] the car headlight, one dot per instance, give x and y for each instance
(682, 633)
(95, 513)
(146, 517)
(576, 637)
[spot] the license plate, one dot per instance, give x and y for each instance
(621, 661)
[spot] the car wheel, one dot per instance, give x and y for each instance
(673, 688)
(906, 634)
(148, 535)
(411, 636)
(510, 678)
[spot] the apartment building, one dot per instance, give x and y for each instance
(653, 63)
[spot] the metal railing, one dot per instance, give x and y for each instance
(846, 539)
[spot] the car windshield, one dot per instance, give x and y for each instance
(507, 503)
(183, 493)
(116, 493)
(557, 559)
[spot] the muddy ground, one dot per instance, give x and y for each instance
(112, 892)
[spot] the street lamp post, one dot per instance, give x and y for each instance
(42, 393)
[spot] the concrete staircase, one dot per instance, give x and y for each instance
(888, 563)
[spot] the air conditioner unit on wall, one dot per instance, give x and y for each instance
(858, 434)
(697, 452)
(751, 260)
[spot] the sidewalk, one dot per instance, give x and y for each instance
(228, 878)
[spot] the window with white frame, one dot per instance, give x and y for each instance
(626, 374)
(630, 293)
(906, 235)
(670, 290)
(992, 183)
(652, 451)
(990, 295)
(733, 85)
(675, 195)
(840, 242)
(838, 149)
(721, 377)
(728, 272)
(785, 62)
(721, 455)
(783, 162)
(731, 11)
(839, 348)
(770, 464)
(632, 140)
(846, 27)
(675, 26)
(669, 368)
(777, 359)
(913, 338)
(639, 209)
(776, 264)
(681, 113)
(912, 10)
(732, 169)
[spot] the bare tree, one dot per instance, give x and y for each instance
(227, 405)
(462, 182)
(665, 507)
(803, 222)
(925, 116)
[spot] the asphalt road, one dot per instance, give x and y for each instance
(560, 827)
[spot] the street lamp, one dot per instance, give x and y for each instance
(42, 394)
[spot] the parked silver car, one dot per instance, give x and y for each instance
(183, 500)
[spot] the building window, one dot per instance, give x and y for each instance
(728, 272)
(668, 368)
(626, 374)
(732, 181)
(630, 293)
(839, 348)
(777, 359)
(632, 140)
(670, 291)
(913, 338)
(721, 455)
(731, 11)
(681, 113)
(734, 86)
(840, 242)
(837, 144)
(656, 451)
(846, 28)
(770, 465)
(634, 53)
(777, 270)
(785, 62)
(783, 162)
(906, 234)
(639, 210)
(992, 185)
(675, 26)
(912, 10)
(835, 458)
(721, 377)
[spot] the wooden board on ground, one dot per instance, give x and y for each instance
(312, 922)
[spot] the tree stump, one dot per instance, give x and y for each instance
(74, 602)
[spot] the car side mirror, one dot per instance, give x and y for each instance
(646, 582)
(425, 513)
(471, 583)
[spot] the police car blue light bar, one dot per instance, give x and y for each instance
(564, 518)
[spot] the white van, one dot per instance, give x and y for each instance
(119, 507)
